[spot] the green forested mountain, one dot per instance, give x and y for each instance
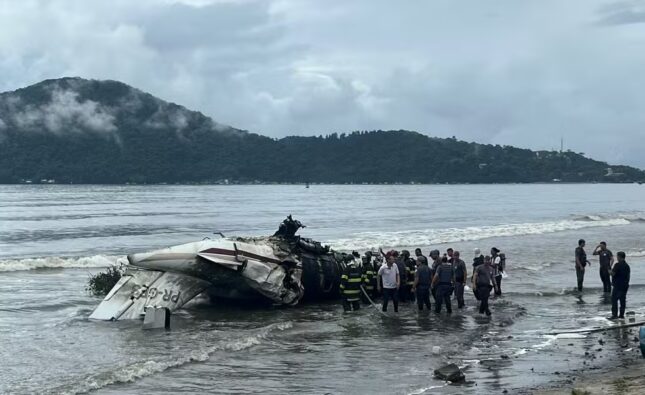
(73, 130)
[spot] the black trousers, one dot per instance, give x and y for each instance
(390, 294)
(606, 281)
(580, 276)
(443, 296)
(498, 291)
(349, 305)
(618, 294)
(411, 295)
(423, 298)
(483, 292)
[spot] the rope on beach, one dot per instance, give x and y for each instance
(374, 304)
(593, 330)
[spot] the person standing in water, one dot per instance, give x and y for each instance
(620, 277)
(581, 262)
(483, 283)
(498, 263)
(461, 273)
(606, 261)
(444, 282)
(389, 275)
(422, 282)
(350, 285)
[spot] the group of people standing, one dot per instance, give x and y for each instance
(402, 278)
(613, 273)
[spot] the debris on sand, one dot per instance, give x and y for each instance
(450, 372)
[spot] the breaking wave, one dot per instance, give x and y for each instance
(366, 240)
(631, 217)
(12, 265)
(135, 371)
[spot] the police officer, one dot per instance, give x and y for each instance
(369, 277)
(444, 282)
(461, 273)
(350, 285)
(422, 283)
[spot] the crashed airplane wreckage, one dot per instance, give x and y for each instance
(282, 269)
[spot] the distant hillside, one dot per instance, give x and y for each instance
(73, 130)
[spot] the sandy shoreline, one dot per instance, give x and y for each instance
(621, 370)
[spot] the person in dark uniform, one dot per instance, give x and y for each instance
(483, 283)
(418, 253)
(350, 286)
(581, 262)
(399, 261)
(369, 277)
(444, 282)
(461, 273)
(606, 261)
(410, 270)
(422, 283)
(620, 278)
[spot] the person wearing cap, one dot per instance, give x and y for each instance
(461, 273)
(422, 283)
(350, 285)
(410, 270)
(369, 277)
(606, 261)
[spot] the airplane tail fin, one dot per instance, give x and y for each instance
(140, 288)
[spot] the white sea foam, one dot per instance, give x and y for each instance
(135, 371)
(366, 240)
(12, 265)
(426, 389)
(635, 253)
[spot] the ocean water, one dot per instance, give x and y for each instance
(52, 237)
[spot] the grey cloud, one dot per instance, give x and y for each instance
(65, 113)
(622, 13)
(503, 72)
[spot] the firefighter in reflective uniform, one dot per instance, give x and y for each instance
(369, 277)
(350, 285)
(411, 271)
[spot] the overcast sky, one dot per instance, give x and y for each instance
(515, 72)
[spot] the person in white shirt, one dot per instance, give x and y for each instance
(388, 275)
(498, 262)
